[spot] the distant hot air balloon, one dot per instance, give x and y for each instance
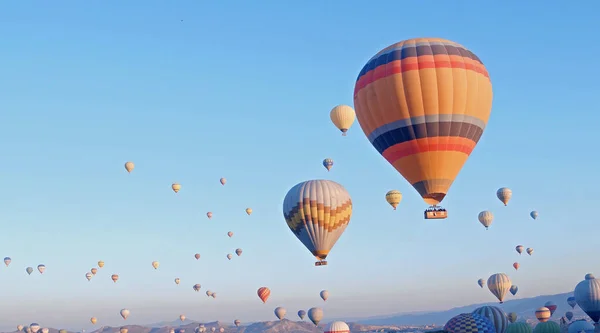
(88, 276)
(19, 328)
(29, 270)
(263, 294)
(221, 330)
(587, 296)
(337, 327)
(213, 294)
(176, 187)
(212, 329)
(512, 317)
(393, 197)
(124, 313)
(177, 280)
(423, 122)
(328, 163)
(520, 327)
(237, 322)
(223, 181)
(45, 330)
(115, 277)
(315, 315)
(155, 264)
(569, 315)
(94, 270)
(181, 317)
(197, 256)
(516, 265)
(318, 212)
(172, 330)
(504, 194)
(534, 215)
(209, 215)
(7, 261)
(248, 211)
(229, 256)
(280, 312)
(324, 294)
(551, 306)
(93, 320)
(27, 329)
(34, 327)
(514, 289)
(547, 327)
(208, 293)
(301, 314)
(469, 323)
(519, 248)
(230, 234)
(481, 282)
(238, 252)
(542, 314)
(571, 301)
(100, 263)
(121, 330)
(41, 268)
(342, 116)
(495, 315)
(486, 218)
(529, 250)
(129, 166)
(499, 284)
(197, 287)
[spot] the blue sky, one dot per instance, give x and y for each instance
(243, 90)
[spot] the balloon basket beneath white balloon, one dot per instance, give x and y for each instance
(435, 213)
(321, 263)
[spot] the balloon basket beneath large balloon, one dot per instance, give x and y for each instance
(435, 213)
(321, 263)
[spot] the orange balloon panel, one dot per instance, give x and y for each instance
(424, 103)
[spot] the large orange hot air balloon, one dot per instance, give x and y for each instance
(263, 294)
(424, 103)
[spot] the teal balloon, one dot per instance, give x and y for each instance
(519, 327)
(547, 327)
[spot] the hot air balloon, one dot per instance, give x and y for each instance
(518, 327)
(209, 215)
(212, 329)
(115, 277)
(34, 327)
(328, 163)
(221, 330)
(181, 317)
(315, 315)
(129, 166)
(495, 315)
(29, 270)
(337, 327)
(513, 289)
(7, 261)
(237, 322)
(197, 287)
(27, 329)
(177, 280)
(587, 296)
(324, 294)
(393, 197)
(88, 276)
(197, 256)
(519, 248)
(238, 252)
(208, 293)
(542, 314)
(581, 325)
(342, 116)
(213, 294)
(529, 250)
(176, 187)
(248, 211)
(100, 263)
(512, 317)
(571, 301)
(301, 314)
(94, 270)
(45, 330)
(230, 234)
(481, 282)
(121, 330)
(263, 294)
(547, 327)
(41, 268)
(19, 328)
(569, 315)
(534, 215)
(486, 218)
(423, 104)
(223, 181)
(93, 320)
(504, 194)
(499, 284)
(229, 256)
(280, 312)
(124, 313)
(172, 330)
(155, 264)
(318, 212)
(551, 306)
(469, 323)
(516, 265)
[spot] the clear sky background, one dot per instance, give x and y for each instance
(243, 90)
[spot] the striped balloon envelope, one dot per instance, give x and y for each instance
(424, 103)
(495, 315)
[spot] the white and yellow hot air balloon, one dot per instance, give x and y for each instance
(393, 197)
(342, 116)
(248, 211)
(504, 194)
(176, 187)
(124, 313)
(318, 212)
(486, 218)
(155, 264)
(177, 280)
(182, 317)
(122, 330)
(129, 166)
(93, 320)
(499, 284)
(100, 264)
